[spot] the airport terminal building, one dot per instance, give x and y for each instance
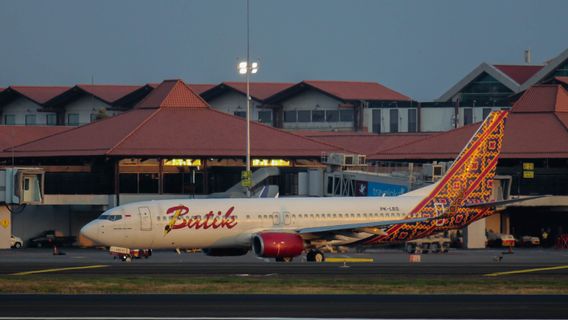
(117, 144)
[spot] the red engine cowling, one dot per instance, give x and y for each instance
(277, 245)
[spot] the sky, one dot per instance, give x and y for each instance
(417, 47)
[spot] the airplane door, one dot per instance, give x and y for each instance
(28, 189)
(145, 219)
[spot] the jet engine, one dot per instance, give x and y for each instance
(277, 245)
(225, 252)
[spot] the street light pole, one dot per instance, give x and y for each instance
(248, 98)
(247, 68)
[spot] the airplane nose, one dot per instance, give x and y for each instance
(89, 234)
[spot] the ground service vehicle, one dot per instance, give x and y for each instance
(50, 238)
(284, 228)
(16, 242)
(432, 244)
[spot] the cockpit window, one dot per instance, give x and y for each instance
(110, 217)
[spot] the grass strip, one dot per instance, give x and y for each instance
(278, 285)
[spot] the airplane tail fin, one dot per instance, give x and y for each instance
(470, 178)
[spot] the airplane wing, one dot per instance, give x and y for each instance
(370, 227)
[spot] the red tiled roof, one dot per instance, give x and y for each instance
(519, 73)
(108, 93)
(537, 128)
(563, 80)
(440, 146)
(351, 90)
(15, 135)
(364, 142)
(173, 121)
(39, 94)
(172, 94)
(543, 98)
(259, 90)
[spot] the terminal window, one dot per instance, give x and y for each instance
(51, 119)
(73, 119)
(30, 120)
(265, 116)
(10, 119)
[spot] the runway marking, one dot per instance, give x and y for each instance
(496, 274)
(349, 260)
(25, 273)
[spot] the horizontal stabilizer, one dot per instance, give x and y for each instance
(499, 203)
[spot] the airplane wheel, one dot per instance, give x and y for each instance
(315, 256)
(318, 256)
(284, 259)
(410, 248)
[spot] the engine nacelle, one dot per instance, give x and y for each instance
(277, 245)
(225, 252)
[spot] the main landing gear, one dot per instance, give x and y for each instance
(315, 255)
(284, 259)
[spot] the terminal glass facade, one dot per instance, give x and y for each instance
(485, 91)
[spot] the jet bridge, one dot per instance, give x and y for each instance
(258, 189)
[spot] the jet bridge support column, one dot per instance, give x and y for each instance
(474, 235)
(5, 227)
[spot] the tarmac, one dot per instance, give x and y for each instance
(387, 263)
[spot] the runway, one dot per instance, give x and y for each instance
(386, 263)
(311, 306)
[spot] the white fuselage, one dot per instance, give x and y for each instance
(143, 224)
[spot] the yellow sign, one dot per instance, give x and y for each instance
(5, 223)
(528, 174)
(528, 166)
(270, 163)
(246, 177)
(183, 163)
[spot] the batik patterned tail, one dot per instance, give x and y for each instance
(470, 178)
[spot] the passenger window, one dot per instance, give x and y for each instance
(248, 216)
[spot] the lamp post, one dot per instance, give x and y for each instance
(247, 68)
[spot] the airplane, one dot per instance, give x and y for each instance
(285, 228)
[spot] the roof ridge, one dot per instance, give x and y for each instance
(133, 130)
(195, 94)
(284, 131)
